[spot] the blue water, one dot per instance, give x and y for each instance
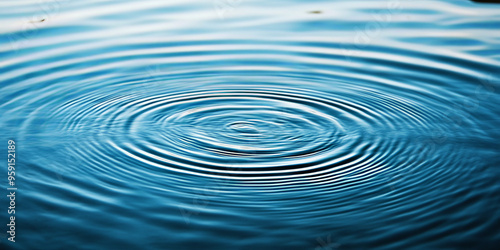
(238, 124)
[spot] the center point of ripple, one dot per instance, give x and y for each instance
(244, 128)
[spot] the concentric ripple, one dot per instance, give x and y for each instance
(259, 129)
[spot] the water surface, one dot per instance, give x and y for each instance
(252, 124)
